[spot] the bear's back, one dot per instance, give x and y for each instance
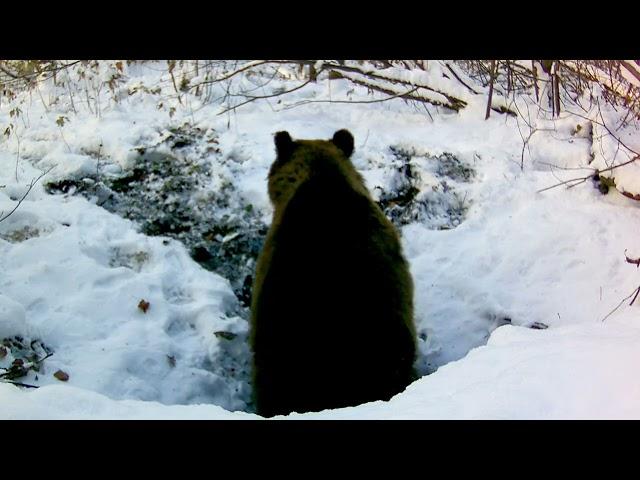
(333, 322)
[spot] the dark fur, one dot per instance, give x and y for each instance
(332, 312)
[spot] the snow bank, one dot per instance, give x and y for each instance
(572, 372)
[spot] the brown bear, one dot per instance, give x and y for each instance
(332, 301)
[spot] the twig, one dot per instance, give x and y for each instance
(19, 384)
(31, 185)
(259, 97)
(633, 294)
(578, 180)
(620, 164)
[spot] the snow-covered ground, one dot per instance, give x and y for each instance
(73, 273)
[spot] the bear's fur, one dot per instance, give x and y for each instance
(332, 301)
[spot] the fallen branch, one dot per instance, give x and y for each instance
(373, 80)
(408, 95)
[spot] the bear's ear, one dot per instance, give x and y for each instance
(284, 145)
(344, 141)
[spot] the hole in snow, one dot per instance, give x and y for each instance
(184, 188)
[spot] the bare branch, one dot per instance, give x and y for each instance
(620, 164)
(399, 95)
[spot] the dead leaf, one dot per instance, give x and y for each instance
(62, 376)
(3, 352)
(144, 305)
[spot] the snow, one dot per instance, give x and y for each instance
(73, 273)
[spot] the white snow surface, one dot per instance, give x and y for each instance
(72, 273)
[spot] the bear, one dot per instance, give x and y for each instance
(332, 300)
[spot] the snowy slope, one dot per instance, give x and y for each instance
(73, 273)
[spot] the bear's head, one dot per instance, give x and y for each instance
(285, 145)
(297, 160)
